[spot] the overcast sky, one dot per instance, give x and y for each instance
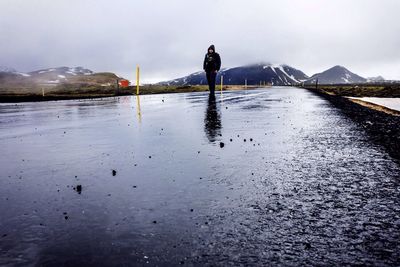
(168, 38)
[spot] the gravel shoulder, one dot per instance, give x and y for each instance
(381, 125)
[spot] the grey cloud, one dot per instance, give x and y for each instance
(169, 38)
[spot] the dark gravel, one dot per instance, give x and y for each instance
(382, 128)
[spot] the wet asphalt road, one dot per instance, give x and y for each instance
(295, 182)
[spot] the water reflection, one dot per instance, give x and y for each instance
(138, 111)
(212, 120)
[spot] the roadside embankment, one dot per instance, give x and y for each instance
(360, 90)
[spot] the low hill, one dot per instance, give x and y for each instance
(61, 78)
(336, 75)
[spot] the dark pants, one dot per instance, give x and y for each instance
(211, 80)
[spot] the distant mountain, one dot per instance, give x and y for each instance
(254, 74)
(63, 71)
(7, 69)
(54, 76)
(376, 79)
(60, 74)
(336, 75)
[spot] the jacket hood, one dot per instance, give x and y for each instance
(211, 47)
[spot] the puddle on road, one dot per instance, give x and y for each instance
(130, 180)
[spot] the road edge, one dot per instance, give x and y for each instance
(382, 127)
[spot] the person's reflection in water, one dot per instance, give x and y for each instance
(212, 120)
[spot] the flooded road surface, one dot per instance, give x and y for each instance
(264, 177)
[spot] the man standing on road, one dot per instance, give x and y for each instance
(211, 65)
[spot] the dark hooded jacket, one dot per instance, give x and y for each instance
(212, 61)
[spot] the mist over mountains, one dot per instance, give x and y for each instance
(266, 73)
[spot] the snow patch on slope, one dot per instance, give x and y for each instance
(281, 67)
(23, 74)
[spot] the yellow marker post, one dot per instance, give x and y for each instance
(42, 91)
(222, 82)
(137, 79)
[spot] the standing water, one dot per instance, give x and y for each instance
(276, 176)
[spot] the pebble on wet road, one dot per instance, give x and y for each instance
(78, 188)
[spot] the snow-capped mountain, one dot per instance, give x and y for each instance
(253, 74)
(336, 75)
(46, 75)
(62, 71)
(376, 79)
(60, 74)
(4, 71)
(7, 69)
